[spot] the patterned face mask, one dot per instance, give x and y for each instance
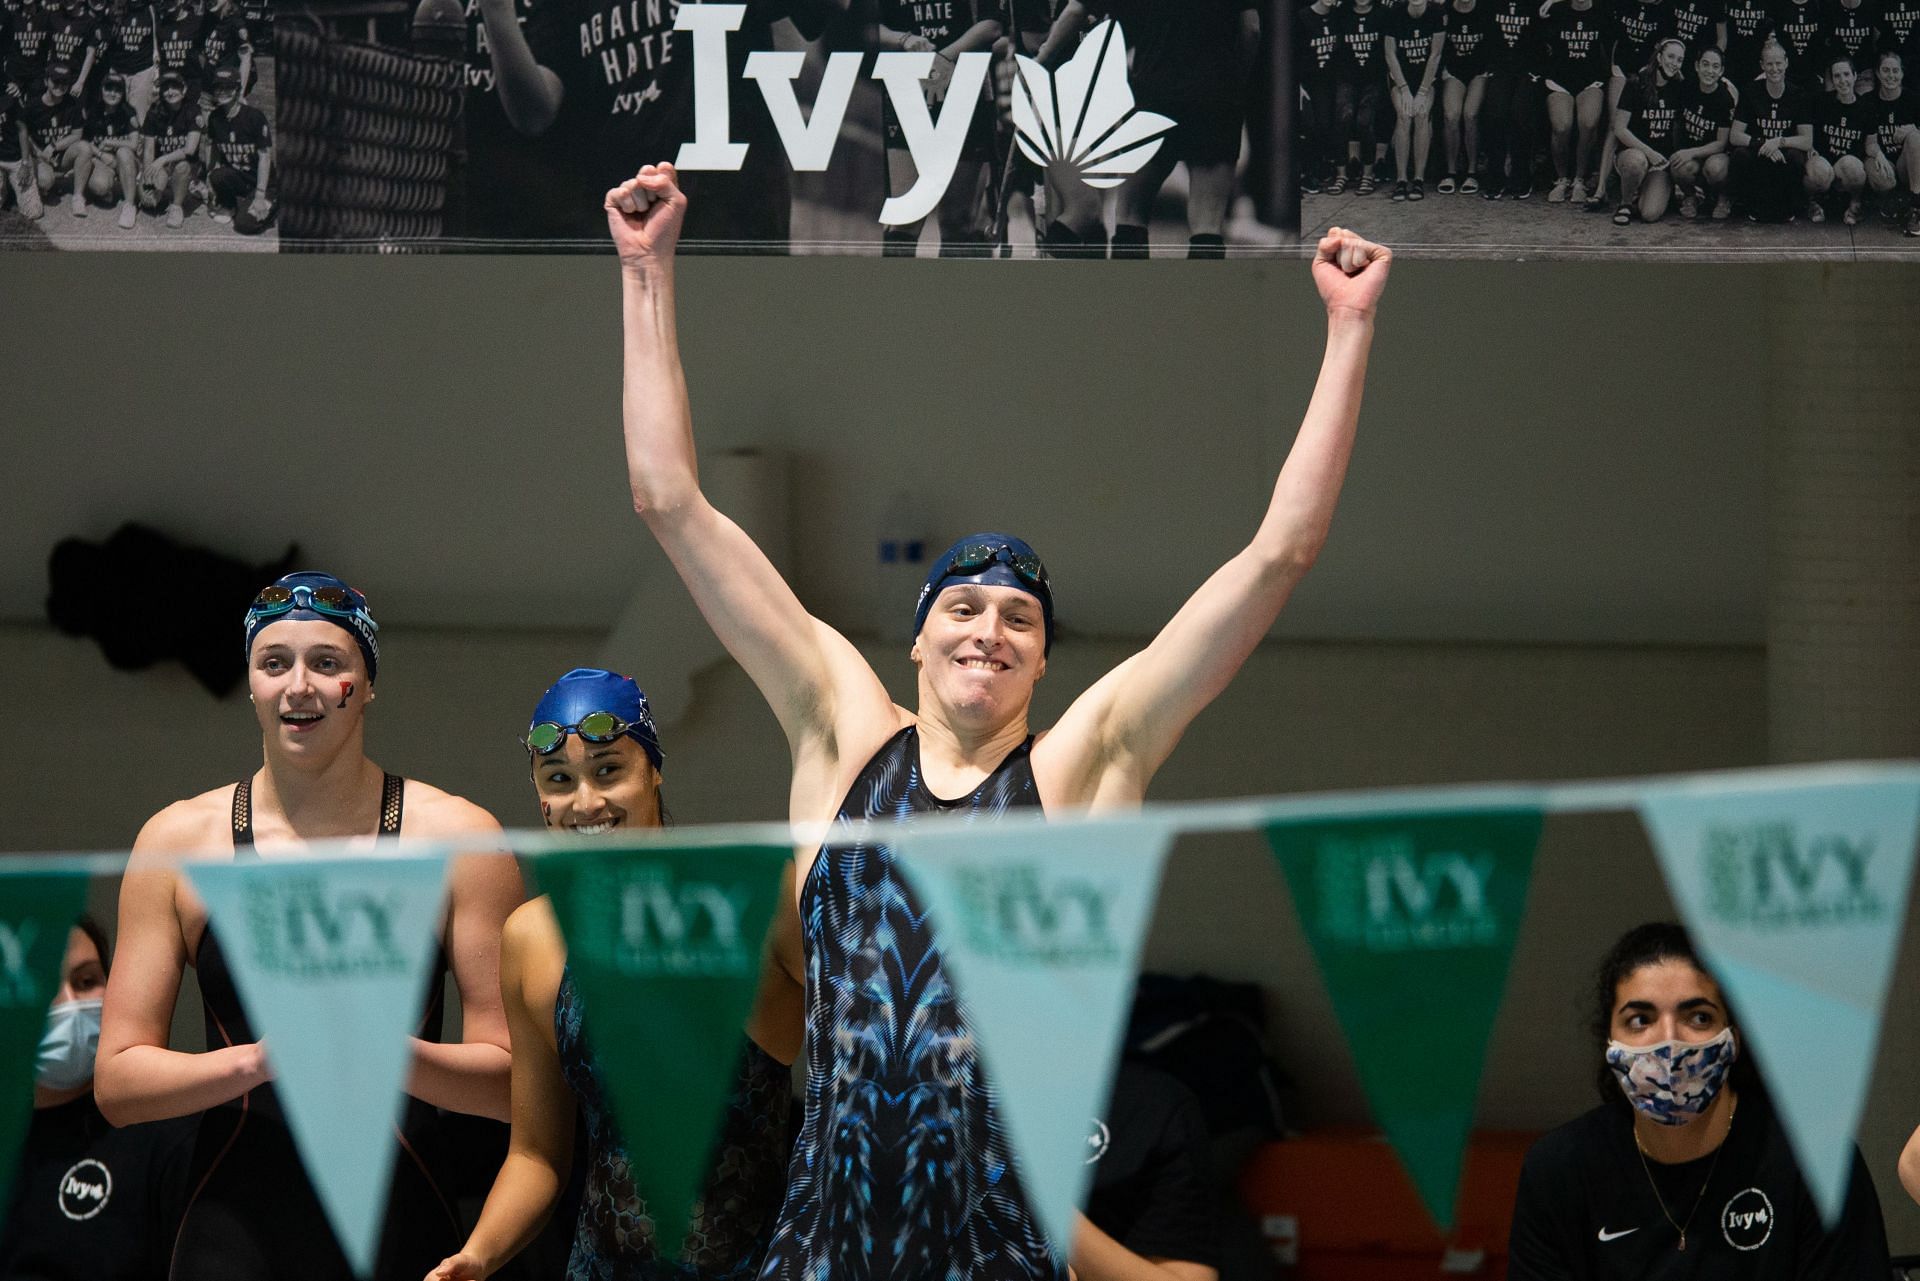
(1674, 1081)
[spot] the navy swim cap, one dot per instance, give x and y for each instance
(1012, 563)
(586, 690)
(355, 621)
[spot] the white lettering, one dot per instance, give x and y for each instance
(712, 146)
(809, 142)
(934, 145)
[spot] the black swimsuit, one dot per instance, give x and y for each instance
(253, 1215)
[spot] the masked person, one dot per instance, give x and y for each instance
(90, 1202)
(312, 663)
(595, 757)
(1683, 1170)
(901, 1169)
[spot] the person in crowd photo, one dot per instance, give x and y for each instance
(1643, 130)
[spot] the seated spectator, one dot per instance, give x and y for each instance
(1151, 1214)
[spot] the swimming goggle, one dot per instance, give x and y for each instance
(336, 601)
(594, 727)
(972, 558)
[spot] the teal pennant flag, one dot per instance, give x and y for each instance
(1796, 897)
(664, 945)
(331, 958)
(1042, 927)
(37, 911)
(1412, 918)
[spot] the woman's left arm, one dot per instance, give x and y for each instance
(483, 888)
(1910, 1166)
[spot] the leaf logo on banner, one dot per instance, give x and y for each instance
(1042, 927)
(664, 948)
(1796, 897)
(1413, 919)
(331, 958)
(37, 909)
(1083, 116)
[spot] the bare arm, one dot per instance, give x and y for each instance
(540, 1151)
(530, 94)
(1910, 1166)
(817, 683)
(1098, 1257)
(1071, 22)
(136, 1077)
(1135, 714)
(482, 892)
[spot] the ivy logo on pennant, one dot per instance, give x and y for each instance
(1082, 118)
(1014, 914)
(1385, 894)
(1767, 876)
(669, 926)
(17, 983)
(308, 927)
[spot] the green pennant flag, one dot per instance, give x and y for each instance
(1412, 918)
(37, 909)
(664, 945)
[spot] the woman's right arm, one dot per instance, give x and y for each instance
(137, 1078)
(817, 684)
(540, 1151)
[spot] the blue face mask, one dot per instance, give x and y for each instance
(67, 1047)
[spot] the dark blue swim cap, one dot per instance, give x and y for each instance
(586, 690)
(995, 560)
(301, 603)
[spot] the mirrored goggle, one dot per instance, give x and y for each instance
(326, 600)
(594, 727)
(975, 557)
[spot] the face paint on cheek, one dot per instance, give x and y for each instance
(346, 692)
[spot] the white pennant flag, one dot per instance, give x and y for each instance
(1042, 927)
(330, 957)
(1795, 896)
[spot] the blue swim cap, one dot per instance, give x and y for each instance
(995, 560)
(300, 600)
(586, 690)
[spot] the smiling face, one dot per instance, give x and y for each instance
(1892, 72)
(1709, 68)
(309, 685)
(1840, 78)
(1672, 57)
(1773, 65)
(980, 652)
(596, 788)
(1668, 1000)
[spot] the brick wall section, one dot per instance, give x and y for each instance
(1843, 600)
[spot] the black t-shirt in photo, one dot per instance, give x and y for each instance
(26, 50)
(1855, 30)
(1841, 128)
(1769, 117)
(9, 134)
(1890, 119)
(1315, 42)
(626, 78)
(1694, 22)
(1183, 50)
(112, 124)
(130, 42)
(1749, 23)
(1637, 25)
(171, 128)
(46, 124)
(1702, 115)
(1413, 38)
(179, 37)
(1467, 32)
(1589, 1210)
(69, 41)
(1651, 117)
(1361, 55)
(1576, 46)
(1151, 1191)
(95, 1203)
(238, 139)
(1899, 19)
(222, 41)
(1510, 43)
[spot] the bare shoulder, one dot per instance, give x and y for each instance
(199, 826)
(431, 811)
(532, 930)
